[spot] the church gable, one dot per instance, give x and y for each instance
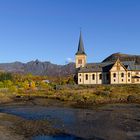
(118, 66)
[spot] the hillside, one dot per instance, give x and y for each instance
(123, 57)
(39, 68)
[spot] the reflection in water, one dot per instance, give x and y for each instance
(59, 137)
(40, 113)
(110, 122)
(70, 120)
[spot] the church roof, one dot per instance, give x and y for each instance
(106, 66)
(94, 67)
(81, 49)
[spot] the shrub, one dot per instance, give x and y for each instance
(131, 98)
(7, 83)
(1, 85)
(13, 89)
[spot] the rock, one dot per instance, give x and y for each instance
(131, 98)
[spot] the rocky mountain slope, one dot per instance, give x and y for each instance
(39, 68)
(123, 57)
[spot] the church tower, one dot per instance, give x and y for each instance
(80, 56)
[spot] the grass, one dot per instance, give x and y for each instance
(85, 94)
(99, 93)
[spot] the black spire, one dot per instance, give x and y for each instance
(80, 46)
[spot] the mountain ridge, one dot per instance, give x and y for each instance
(47, 68)
(38, 68)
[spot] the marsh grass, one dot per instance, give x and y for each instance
(94, 94)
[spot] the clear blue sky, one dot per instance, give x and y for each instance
(48, 30)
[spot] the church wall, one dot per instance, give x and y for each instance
(126, 79)
(135, 80)
(80, 78)
(99, 81)
(93, 78)
(119, 79)
(86, 81)
(89, 78)
(129, 77)
(118, 74)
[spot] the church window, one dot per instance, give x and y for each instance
(100, 76)
(122, 74)
(86, 76)
(79, 61)
(114, 75)
(128, 74)
(80, 79)
(93, 76)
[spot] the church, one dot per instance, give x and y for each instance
(117, 72)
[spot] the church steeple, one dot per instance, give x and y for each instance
(80, 54)
(81, 49)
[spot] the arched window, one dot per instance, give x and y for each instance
(122, 74)
(93, 76)
(114, 75)
(128, 74)
(86, 76)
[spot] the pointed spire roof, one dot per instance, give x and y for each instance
(81, 49)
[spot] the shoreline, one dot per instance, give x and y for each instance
(43, 101)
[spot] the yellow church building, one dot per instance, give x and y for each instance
(117, 72)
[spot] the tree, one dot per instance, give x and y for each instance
(6, 76)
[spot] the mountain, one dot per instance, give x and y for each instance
(123, 57)
(39, 68)
(46, 68)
